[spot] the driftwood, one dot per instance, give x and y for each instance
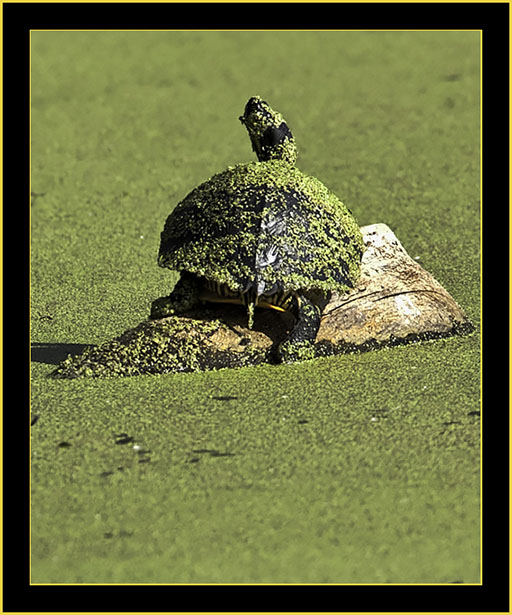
(396, 301)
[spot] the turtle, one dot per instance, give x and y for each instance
(262, 234)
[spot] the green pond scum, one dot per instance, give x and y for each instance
(357, 468)
(163, 346)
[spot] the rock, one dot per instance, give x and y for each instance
(396, 301)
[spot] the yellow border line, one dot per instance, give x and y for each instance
(481, 307)
(30, 303)
(255, 29)
(481, 274)
(510, 317)
(1, 309)
(254, 1)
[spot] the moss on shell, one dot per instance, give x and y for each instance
(223, 226)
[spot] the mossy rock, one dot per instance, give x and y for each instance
(395, 302)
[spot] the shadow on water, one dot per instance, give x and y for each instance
(55, 353)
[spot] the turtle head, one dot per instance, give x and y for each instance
(270, 136)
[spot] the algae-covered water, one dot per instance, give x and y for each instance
(361, 468)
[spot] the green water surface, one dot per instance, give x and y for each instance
(361, 468)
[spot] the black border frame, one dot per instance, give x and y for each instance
(493, 595)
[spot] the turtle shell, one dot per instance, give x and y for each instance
(265, 226)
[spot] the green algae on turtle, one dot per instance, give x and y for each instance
(270, 136)
(212, 236)
(262, 234)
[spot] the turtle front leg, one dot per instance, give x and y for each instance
(184, 297)
(299, 344)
